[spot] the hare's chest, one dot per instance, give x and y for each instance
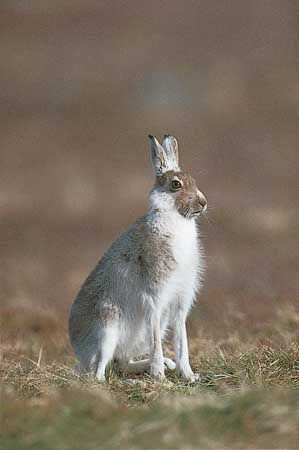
(186, 255)
(182, 281)
(185, 250)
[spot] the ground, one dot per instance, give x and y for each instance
(248, 396)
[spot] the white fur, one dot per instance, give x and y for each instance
(178, 293)
(119, 314)
(170, 147)
(165, 156)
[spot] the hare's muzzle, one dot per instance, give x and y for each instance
(202, 201)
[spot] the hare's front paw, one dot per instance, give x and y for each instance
(169, 364)
(187, 374)
(157, 371)
(195, 377)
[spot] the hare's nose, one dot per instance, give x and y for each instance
(202, 200)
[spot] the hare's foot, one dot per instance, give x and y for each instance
(135, 367)
(169, 364)
(187, 374)
(157, 371)
(107, 347)
(100, 375)
(144, 365)
(195, 377)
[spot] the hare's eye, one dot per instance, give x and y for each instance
(175, 185)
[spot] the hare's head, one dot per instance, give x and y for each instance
(174, 189)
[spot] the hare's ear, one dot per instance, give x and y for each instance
(158, 156)
(166, 156)
(171, 148)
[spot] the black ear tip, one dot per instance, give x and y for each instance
(150, 136)
(166, 136)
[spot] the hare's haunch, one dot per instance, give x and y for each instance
(146, 282)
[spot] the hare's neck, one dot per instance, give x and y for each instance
(165, 216)
(159, 201)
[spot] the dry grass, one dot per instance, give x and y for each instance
(220, 371)
(248, 397)
(90, 419)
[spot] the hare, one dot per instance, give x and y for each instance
(147, 281)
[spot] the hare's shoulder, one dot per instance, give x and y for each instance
(147, 250)
(150, 240)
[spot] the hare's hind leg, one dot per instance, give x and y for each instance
(108, 337)
(143, 365)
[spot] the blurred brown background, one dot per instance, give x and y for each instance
(84, 82)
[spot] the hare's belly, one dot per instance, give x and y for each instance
(134, 341)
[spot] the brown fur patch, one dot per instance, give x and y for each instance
(187, 200)
(152, 255)
(107, 312)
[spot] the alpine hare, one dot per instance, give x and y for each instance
(146, 283)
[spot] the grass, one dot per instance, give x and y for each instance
(90, 419)
(248, 397)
